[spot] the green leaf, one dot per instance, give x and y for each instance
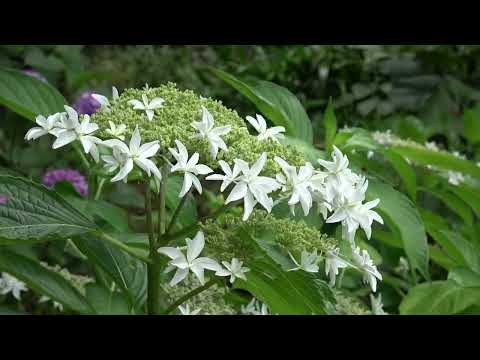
(330, 122)
(439, 298)
(468, 194)
(285, 292)
(277, 103)
(405, 171)
(32, 211)
(113, 215)
(310, 153)
(438, 159)
(471, 125)
(128, 273)
(188, 214)
(44, 281)
(465, 277)
(28, 96)
(106, 302)
(403, 218)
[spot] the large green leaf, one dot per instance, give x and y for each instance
(468, 194)
(403, 218)
(454, 203)
(285, 292)
(128, 273)
(44, 281)
(106, 302)
(277, 103)
(439, 298)
(438, 159)
(28, 96)
(32, 211)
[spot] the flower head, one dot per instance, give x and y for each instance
(47, 126)
(229, 177)
(274, 133)
(213, 135)
(10, 284)
(72, 176)
(233, 269)
(190, 167)
(87, 103)
(147, 106)
(377, 305)
(117, 131)
(254, 307)
(185, 310)
(103, 100)
(363, 262)
(333, 262)
(190, 262)
(308, 262)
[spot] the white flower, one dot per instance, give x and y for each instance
(56, 305)
(190, 262)
(213, 135)
(124, 157)
(70, 129)
(308, 262)
(147, 106)
(432, 146)
(339, 175)
(103, 100)
(233, 269)
(117, 131)
(186, 310)
(46, 126)
(253, 188)
(10, 284)
(370, 154)
(333, 262)
(190, 167)
(367, 267)
(254, 307)
(274, 133)
(455, 178)
(377, 305)
(300, 185)
(229, 177)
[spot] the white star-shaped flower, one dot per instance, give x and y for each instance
(229, 177)
(233, 269)
(70, 129)
(333, 262)
(10, 284)
(274, 133)
(147, 106)
(126, 156)
(308, 262)
(377, 305)
(103, 100)
(252, 188)
(455, 177)
(117, 131)
(300, 185)
(363, 263)
(213, 135)
(46, 126)
(190, 167)
(254, 307)
(185, 310)
(190, 262)
(56, 304)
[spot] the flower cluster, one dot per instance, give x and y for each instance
(51, 177)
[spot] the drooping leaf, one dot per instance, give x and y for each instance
(277, 103)
(28, 96)
(44, 281)
(32, 212)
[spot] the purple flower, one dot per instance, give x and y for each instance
(35, 74)
(86, 104)
(3, 199)
(78, 181)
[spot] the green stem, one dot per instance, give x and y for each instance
(99, 188)
(153, 268)
(162, 212)
(340, 278)
(85, 162)
(189, 295)
(122, 246)
(177, 212)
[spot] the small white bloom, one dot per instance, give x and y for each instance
(367, 267)
(455, 178)
(252, 188)
(432, 146)
(147, 106)
(124, 157)
(103, 100)
(233, 269)
(370, 154)
(229, 177)
(308, 262)
(46, 126)
(117, 131)
(333, 262)
(377, 305)
(70, 129)
(56, 304)
(254, 307)
(274, 133)
(190, 167)
(10, 284)
(186, 310)
(190, 262)
(213, 135)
